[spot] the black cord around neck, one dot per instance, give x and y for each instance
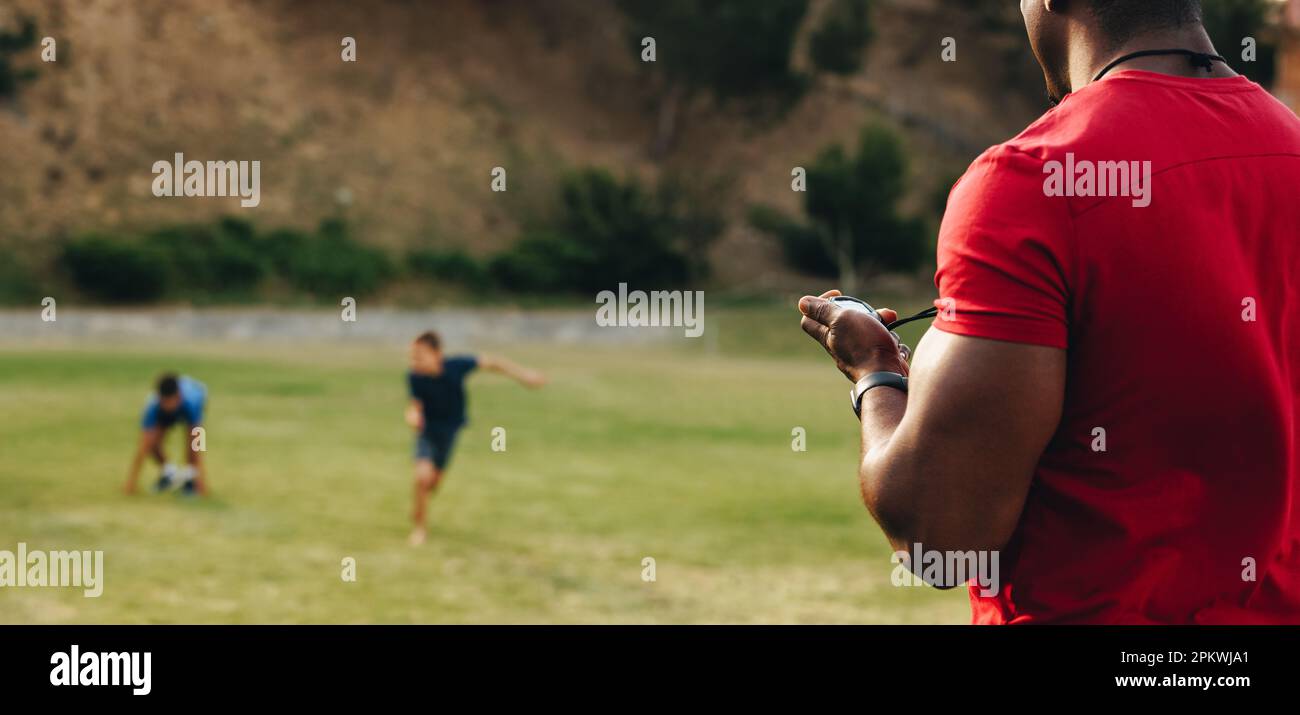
(1202, 60)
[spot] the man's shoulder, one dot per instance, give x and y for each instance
(1100, 118)
(1168, 120)
(1085, 124)
(1062, 127)
(1004, 187)
(1009, 169)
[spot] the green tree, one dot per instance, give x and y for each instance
(609, 231)
(851, 203)
(1229, 22)
(837, 45)
(730, 48)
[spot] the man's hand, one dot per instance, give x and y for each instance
(859, 344)
(950, 463)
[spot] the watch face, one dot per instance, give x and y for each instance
(848, 302)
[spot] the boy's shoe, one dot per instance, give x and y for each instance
(166, 478)
(188, 488)
(417, 536)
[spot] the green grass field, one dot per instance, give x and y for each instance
(679, 453)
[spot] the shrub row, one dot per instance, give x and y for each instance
(228, 260)
(609, 231)
(604, 231)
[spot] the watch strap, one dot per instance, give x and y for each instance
(875, 379)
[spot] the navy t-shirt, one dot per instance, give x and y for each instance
(443, 396)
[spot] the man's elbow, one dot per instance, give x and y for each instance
(914, 515)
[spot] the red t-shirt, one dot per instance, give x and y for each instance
(1181, 321)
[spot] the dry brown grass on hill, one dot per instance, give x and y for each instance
(442, 92)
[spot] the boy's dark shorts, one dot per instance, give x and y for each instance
(435, 444)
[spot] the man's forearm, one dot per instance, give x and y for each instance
(882, 411)
(949, 463)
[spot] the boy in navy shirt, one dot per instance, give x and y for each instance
(437, 410)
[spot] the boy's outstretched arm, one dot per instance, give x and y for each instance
(148, 440)
(525, 376)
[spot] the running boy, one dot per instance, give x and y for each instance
(177, 398)
(437, 411)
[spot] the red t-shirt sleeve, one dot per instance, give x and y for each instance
(1005, 253)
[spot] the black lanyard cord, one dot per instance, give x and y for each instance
(1202, 60)
(927, 313)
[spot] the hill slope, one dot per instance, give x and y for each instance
(403, 140)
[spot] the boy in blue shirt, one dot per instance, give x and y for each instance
(437, 411)
(177, 399)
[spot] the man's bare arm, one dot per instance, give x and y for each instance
(949, 464)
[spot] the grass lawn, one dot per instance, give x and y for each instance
(681, 453)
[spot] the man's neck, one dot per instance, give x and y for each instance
(1091, 57)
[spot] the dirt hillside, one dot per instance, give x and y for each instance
(403, 141)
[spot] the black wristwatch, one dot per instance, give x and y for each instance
(875, 379)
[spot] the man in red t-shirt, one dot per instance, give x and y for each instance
(1109, 399)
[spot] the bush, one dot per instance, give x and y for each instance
(16, 284)
(609, 231)
(802, 245)
(329, 263)
(281, 247)
(208, 261)
(452, 266)
(225, 260)
(113, 270)
(543, 261)
(693, 217)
